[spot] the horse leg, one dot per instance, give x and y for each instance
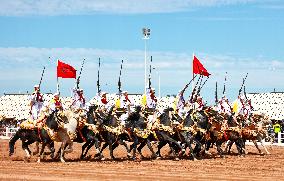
(64, 144)
(148, 142)
(219, 149)
(135, 143)
(110, 149)
(52, 149)
(160, 146)
(101, 151)
(86, 144)
(188, 143)
(174, 142)
(41, 152)
(141, 146)
(122, 142)
(255, 144)
(37, 148)
(239, 145)
(90, 146)
(27, 150)
(262, 144)
(97, 145)
(229, 144)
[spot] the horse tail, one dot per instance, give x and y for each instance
(13, 141)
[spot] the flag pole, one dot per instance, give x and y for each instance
(57, 83)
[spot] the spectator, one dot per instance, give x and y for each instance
(277, 129)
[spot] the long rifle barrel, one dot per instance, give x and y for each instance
(224, 89)
(150, 73)
(41, 77)
(78, 79)
(119, 82)
(216, 94)
(243, 83)
(98, 81)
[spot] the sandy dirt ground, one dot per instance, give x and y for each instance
(251, 167)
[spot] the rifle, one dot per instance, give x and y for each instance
(245, 93)
(186, 86)
(98, 81)
(216, 94)
(78, 79)
(200, 87)
(203, 83)
(194, 89)
(150, 73)
(119, 82)
(224, 90)
(243, 84)
(41, 77)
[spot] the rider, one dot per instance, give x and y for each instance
(125, 105)
(180, 104)
(151, 99)
(36, 106)
(55, 103)
(36, 103)
(224, 106)
(198, 105)
(79, 101)
(103, 101)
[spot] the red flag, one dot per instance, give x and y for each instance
(198, 68)
(65, 71)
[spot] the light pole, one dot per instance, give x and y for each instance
(146, 34)
(159, 81)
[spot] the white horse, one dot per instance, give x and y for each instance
(67, 123)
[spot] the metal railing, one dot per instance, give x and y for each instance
(7, 133)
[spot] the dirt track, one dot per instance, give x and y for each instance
(250, 167)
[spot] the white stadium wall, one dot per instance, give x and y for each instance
(16, 106)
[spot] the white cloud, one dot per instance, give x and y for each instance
(20, 69)
(74, 7)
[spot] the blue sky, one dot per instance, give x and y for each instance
(237, 36)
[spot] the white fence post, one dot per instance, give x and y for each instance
(279, 138)
(7, 131)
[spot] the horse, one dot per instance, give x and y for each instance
(29, 136)
(186, 130)
(164, 133)
(139, 132)
(112, 132)
(64, 124)
(254, 130)
(89, 133)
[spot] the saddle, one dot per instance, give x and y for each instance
(120, 111)
(150, 111)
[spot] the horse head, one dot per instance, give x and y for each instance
(188, 121)
(51, 121)
(92, 116)
(166, 116)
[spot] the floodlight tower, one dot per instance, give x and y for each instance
(146, 36)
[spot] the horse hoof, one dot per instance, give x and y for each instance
(129, 155)
(158, 158)
(103, 159)
(38, 160)
(176, 159)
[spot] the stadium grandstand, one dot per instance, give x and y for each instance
(15, 107)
